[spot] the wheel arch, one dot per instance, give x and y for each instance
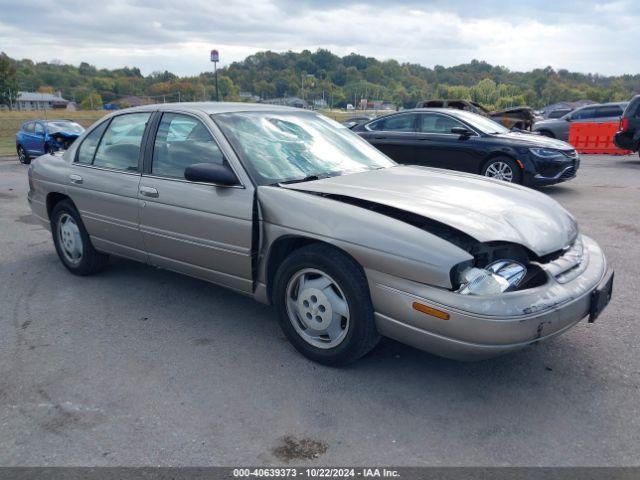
(284, 246)
(494, 155)
(53, 198)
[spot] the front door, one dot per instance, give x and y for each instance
(199, 229)
(104, 181)
(436, 146)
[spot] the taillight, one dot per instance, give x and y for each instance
(624, 124)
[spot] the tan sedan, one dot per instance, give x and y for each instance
(293, 209)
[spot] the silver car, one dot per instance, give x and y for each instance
(600, 113)
(295, 210)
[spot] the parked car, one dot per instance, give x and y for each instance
(294, 209)
(519, 118)
(38, 137)
(560, 112)
(465, 141)
(628, 135)
(600, 113)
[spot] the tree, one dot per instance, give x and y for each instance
(93, 101)
(8, 82)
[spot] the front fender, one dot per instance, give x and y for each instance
(376, 241)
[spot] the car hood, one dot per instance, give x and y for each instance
(528, 140)
(485, 209)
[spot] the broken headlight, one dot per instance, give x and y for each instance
(497, 277)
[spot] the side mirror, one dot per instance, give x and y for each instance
(211, 173)
(463, 132)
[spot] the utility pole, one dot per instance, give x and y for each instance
(215, 58)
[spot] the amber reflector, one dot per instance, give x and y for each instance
(434, 312)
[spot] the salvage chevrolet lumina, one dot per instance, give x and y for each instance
(296, 210)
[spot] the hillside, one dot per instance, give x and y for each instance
(320, 74)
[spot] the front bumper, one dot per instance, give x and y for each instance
(482, 327)
(550, 173)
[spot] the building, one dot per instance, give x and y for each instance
(40, 101)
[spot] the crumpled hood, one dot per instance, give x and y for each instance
(485, 209)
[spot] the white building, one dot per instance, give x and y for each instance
(40, 101)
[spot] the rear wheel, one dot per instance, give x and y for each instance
(324, 308)
(72, 241)
(22, 155)
(502, 168)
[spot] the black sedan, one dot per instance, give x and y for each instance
(465, 141)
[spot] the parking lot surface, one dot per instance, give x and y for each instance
(139, 366)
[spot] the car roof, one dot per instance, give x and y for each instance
(608, 104)
(214, 107)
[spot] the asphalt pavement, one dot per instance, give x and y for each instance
(139, 366)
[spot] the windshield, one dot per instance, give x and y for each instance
(64, 126)
(287, 146)
(484, 124)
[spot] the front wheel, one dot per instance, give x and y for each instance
(502, 168)
(22, 155)
(72, 241)
(324, 307)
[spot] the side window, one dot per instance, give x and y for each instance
(29, 127)
(181, 141)
(87, 148)
(584, 114)
(120, 145)
(39, 129)
(609, 111)
(435, 123)
(396, 123)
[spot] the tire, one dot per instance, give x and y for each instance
(68, 232)
(546, 133)
(352, 335)
(23, 156)
(503, 168)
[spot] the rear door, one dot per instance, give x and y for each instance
(104, 180)
(436, 146)
(393, 135)
(200, 229)
(608, 113)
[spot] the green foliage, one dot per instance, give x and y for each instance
(8, 82)
(321, 74)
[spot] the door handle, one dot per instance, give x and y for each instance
(149, 192)
(74, 178)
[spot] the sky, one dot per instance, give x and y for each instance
(177, 35)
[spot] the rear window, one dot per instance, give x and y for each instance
(396, 123)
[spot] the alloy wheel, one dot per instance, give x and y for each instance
(317, 308)
(500, 171)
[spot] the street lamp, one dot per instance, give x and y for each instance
(215, 57)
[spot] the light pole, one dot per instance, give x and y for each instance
(215, 57)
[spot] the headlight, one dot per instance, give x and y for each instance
(545, 152)
(499, 276)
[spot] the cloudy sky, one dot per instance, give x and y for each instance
(176, 35)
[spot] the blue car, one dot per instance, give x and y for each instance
(38, 137)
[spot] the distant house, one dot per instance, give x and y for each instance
(320, 103)
(288, 101)
(40, 101)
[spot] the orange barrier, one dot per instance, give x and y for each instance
(590, 137)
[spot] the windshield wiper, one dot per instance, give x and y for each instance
(308, 178)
